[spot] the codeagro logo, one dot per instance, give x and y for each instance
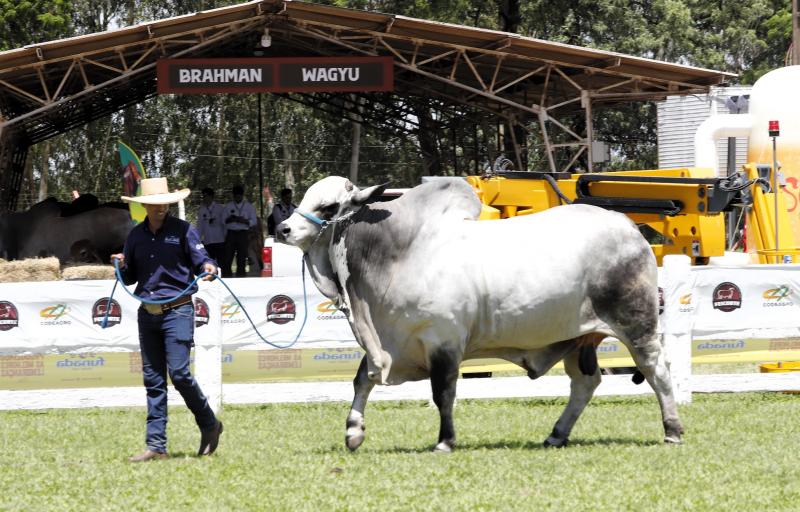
(726, 297)
(201, 314)
(778, 297)
(52, 315)
(9, 316)
(328, 311)
(281, 309)
(685, 303)
(99, 312)
(229, 311)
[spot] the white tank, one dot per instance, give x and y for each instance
(775, 98)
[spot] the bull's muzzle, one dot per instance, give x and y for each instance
(282, 232)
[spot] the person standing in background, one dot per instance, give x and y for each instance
(210, 225)
(270, 204)
(285, 208)
(240, 217)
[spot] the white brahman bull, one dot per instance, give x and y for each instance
(425, 286)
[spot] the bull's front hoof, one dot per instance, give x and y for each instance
(443, 447)
(673, 431)
(353, 441)
(554, 442)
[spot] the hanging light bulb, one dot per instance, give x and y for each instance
(266, 39)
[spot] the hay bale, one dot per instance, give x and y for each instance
(78, 272)
(30, 270)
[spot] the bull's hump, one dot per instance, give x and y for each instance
(451, 199)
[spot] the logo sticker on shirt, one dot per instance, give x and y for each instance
(199, 246)
(174, 240)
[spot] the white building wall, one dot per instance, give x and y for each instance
(678, 120)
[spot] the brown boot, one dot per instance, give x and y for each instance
(148, 455)
(209, 439)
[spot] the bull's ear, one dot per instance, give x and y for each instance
(368, 195)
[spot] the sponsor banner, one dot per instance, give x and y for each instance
(752, 302)
(289, 74)
(747, 314)
(34, 322)
(91, 369)
(117, 369)
(113, 369)
(278, 309)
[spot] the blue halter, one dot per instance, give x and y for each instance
(313, 218)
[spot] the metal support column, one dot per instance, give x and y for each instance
(13, 153)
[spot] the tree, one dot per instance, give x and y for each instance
(33, 21)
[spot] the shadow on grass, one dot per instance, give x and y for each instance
(539, 445)
(336, 448)
(172, 457)
(498, 445)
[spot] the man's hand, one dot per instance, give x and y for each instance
(211, 269)
(120, 257)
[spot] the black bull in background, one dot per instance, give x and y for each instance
(66, 231)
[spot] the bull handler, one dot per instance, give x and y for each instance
(162, 255)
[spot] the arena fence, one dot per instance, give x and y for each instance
(51, 339)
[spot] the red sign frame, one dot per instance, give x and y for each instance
(276, 74)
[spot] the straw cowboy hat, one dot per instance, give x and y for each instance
(156, 191)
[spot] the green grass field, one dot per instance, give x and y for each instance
(740, 454)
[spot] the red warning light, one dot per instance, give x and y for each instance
(774, 128)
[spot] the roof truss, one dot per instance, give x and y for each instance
(49, 88)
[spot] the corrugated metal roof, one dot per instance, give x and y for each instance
(16, 63)
(52, 86)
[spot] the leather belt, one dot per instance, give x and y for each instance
(160, 309)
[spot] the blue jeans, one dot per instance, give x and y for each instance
(165, 341)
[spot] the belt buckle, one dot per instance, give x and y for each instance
(153, 309)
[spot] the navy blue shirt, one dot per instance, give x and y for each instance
(165, 263)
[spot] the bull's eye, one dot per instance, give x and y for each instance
(328, 211)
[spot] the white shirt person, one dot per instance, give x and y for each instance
(211, 226)
(240, 217)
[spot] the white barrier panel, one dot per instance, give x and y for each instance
(744, 302)
(66, 316)
(675, 321)
(700, 303)
(277, 308)
(724, 303)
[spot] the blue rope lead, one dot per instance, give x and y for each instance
(104, 323)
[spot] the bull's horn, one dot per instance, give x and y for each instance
(369, 195)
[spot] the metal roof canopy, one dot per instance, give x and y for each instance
(52, 87)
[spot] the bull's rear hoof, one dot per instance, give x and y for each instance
(443, 447)
(673, 440)
(354, 441)
(554, 442)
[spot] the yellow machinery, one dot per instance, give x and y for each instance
(684, 206)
